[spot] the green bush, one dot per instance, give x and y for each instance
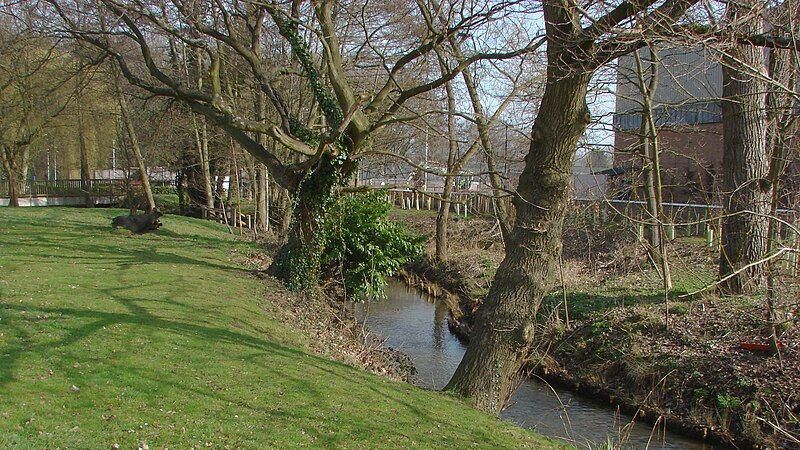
(164, 190)
(728, 402)
(363, 247)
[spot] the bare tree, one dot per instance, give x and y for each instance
(506, 323)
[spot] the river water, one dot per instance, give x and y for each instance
(412, 323)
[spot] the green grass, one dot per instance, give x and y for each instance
(169, 341)
(640, 287)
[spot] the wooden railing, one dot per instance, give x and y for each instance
(73, 188)
(685, 219)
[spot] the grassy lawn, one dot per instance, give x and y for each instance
(165, 338)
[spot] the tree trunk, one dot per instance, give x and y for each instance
(744, 165)
(781, 130)
(505, 324)
(86, 181)
(650, 150)
(262, 216)
(501, 208)
(443, 214)
(297, 263)
(9, 165)
(137, 151)
(205, 163)
(286, 218)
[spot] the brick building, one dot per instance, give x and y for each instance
(688, 114)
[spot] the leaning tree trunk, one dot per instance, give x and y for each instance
(442, 219)
(505, 324)
(745, 168)
(137, 151)
(649, 140)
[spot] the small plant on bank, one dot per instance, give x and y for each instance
(363, 246)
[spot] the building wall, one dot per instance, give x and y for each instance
(691, 162)
(688, 113)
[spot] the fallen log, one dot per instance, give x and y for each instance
(138, 223)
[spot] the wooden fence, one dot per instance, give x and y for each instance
(97, 188)
(683, 219)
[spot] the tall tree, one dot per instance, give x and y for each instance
(745, 164)
(647, 82)
(329, 152)
(506, 323)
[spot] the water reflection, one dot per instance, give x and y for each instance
(418, 328)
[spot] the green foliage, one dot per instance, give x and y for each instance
(728, 402)
(164, 190)
(363, 246)
(700, 394)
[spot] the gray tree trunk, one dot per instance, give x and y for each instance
(86, 180)
(744, 165)
(505, 324)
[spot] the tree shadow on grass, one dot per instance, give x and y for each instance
(84, 252)
(137, 317)
(297, 380)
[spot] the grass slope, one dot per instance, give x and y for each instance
(165, 339)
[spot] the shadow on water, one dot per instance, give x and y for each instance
(417, 326)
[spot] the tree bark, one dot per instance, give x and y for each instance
(205, 164)
(650, 150)
(261, 204)
(781, 130)
(443, 215)
(505, 324)
(744, 164)
(8, 159)
(501, 208)
(286, 218)
(137, 151)
(86, 181)
(298, 262)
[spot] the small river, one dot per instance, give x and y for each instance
(412, 323)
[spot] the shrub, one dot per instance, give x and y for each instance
(164, 190)
(363, 247)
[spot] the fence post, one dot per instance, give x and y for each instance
(709, 236)
(671, 232)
